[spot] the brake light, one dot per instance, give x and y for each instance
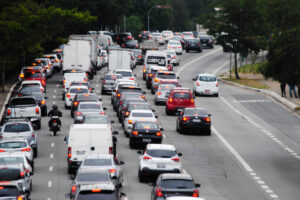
(118, 95)
(143, 97)
(174, 56)
(37, 110)
(1, 188)
(73, 188)
(43, 102)
(85, 80)
(118, 38)
(129, 37)
(110, 150)
(78, 113)
(96, 190)
(1, 150)
(54, 121)
(192, 100)
(43, 82)
(158, 134)
(198, 84)
(127, 114)
(112, 171)
(20, 198)
(156, 79)
(150, 75)
(56, 60)
(176, 159)
(123, 45)
(121, 102)
(102, 113)
(26, 149)
(21, 75)
(69, 152)
(48, 67)
(131, 78)
(75, 103)
(140, 56)
(196, 193)
(135, 133)
(68, 95)
(159, 192)
(130, 121)
(217, 84)
(170, 100)
(207, 119)
(146, 158)
(159, 93)
(186, 119)
(8, 112)
(22, 174)
(42, 89)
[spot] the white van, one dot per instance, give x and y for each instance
(158, 58)
(70, 77)
(88, 139)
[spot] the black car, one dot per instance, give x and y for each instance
(194, 119)
(131, 44)
(206, 41)
(121, 38)
(40, 99)
(193, 45)
(138, 56)
(108, 82)
(170, 184)
(12, 190)
(144, 35)
(144, 132)
(80, 97)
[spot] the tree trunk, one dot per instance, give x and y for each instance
(3, 79)
(235, 66)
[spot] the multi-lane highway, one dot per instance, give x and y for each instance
(253, 152)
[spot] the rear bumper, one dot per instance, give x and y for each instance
(203, 91)
(74, 165)
(196, 127)
(177, 108)
(145, 139)
(155, 172)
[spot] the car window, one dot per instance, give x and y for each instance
(158, 153)
(174, 43)
(207, 78)
(146, 125)
(139, 107)
(16, 127)
(97, 162)
(131, 95)
(181, 95)
(166, 76)
(112, 77)
(177, 184)
(103, 195)
(93, 177)
(36, 96)
(79, 90)
(157, 60)
(166, 87)
(90, 106)
(124, 73)
(32, 75)
(195, 112)
(30, 84)
(7, 191)
(11, 160)
(13, 145)
(95, 120)
(142, 115)
(30, 89)
(8, 174)
(87, 97)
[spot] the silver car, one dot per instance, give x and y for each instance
(106, 162)
(161, 93)
(86, 108)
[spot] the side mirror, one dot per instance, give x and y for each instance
(179, 154)
(156, 116)
(112, 121)
(140, 152)
(104, 108)
(162, 129)
(178, 77)
(197, 185)
(121, 163)
(115, 133)
(209, 115)
(194, 79)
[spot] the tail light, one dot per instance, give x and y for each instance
(192, 100)
(129, 37)
(96, 190)
(110, 150)
(85, 80)
(131, 78)
(136, 46)
(135, 133)
(1, 150)
(176, 159)
(140, 56)
(78, 113)
(69, 152)
(198, 84)
(158, 134)
(56, 60)
(54, 121)
(118, 95)
(186, 119)
(140, 35)
(159, 93)
(75, 103)
(159, 192)
(112, 171)
(130, 121)
(217, 84)
(143, 97)
(73, 188)
(161, 38)
(43, 102)
(68, 95)
(170, 100)
(121, 102)
(37, 110)
(26, 149)
(156, 79)
(123, 45)
(48, 67)
(199, 44)
(21, 75)
(8, 112)
(210, 41)
(64, 81)
(102, 113)
(20, 198)
(127, 114)
(43, 82)
(22, 174)
(207, 119)
(118, 38)
(174, 56)
(19, 95)
(33, 136)
(195, 193)
(146, 158)
(42, 89)
(150, 75)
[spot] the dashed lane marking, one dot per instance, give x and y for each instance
(49, 184)
(51, 155)
(54, 96)
(51, 168)
(55, 91)
(52, 144)
(246, 166)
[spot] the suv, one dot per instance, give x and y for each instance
(162, 75)
(178, 99)
(206, 84)
(56, 63)
(193, 44)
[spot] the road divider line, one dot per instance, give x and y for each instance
(245, 165)
(192, 61)
(49, 184)
(51, 155)
(51, 168)
(52, 144)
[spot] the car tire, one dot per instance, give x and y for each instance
(131, 144)
(63, 96)
(141, 177)
(35, 153)
(187, 50)
(125, 133)
(102, 92)
(217, 95)
(39, 125)
(72, 113)
(44, 111)
(168, 112)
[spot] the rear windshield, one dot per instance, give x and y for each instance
(87, 97)
(95, 120)
(93, 177)
(11, 160)
(36, 96)
(33, 75)
(124, 73)
(157, 60)
(166, 87)
(127, 89)
(9, 191)
(30, 89)
(23, 101)
(10, 174)
(146, 125)
(207, 78)
(205, 37)
(97, 162)
(103, 195)
(90, 106)
(195, 112)
(112, 77)
(142, 115)
(181, 95)
(166, 76)
(174, 43)
(193, 40)
(139, 107)
(79, 90)
(17, 127)
(158, 153)
(13, 145)
(170, 83)
(30, 84)
(131, 95)
(177, 184)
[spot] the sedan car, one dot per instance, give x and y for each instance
(86, 108)
(108, 82)
(71, 93)
(206, 84)
(194, 119)
(207, 41)
(144, 132)
(157, 159)
(175, 45)
(131, 44)
(160, 95)
(193, 44)
(174, 185)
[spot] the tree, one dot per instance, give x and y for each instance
(134, 24)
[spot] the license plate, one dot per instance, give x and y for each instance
(159, 165)
(80, 152)
(204, 45)
(54, 124)
(207, 91)
(196, 120)
(146, 140)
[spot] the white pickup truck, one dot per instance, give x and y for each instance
(24, 107)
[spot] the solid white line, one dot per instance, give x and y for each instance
(51, 168)
(51, 155)
(216, 71)
(49, 184)
(192, 61)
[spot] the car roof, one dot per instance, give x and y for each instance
(78, 86)
(123, 70)
(141, 111)
(206, 74)
(14, 139)
(161, 146)
(176, 176)
(95, 156)
(31, 81)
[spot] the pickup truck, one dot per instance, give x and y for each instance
(24, 107)
(149, 45)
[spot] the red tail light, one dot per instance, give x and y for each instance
(129, 37)
(33, 135)
(159, 93)
(196, 193)
(170, 100)
(217, 84)
(207, 119)
(75, 103)
(42, 89)
(8, 112)
(135, 133)
(158, 134)
(110, 150)
(176, 159)
(112, 171)
(159, 192)
(37, 110)
(120, 102)
(20, 198)
(131, 78)
(127, 114)
(78, 113)
(103, 82)
(192, 100)
(102, 113)
(73, 188)
(118, 38)
(22, 174)
(130, 121)
(43, 102)
(68, 95)
(132, 58)
(56, 60)
(156, 79)
(54, 121)
(26, 149)
(186, 119)
(1, 150)
(140, 56)
(198, 84)
(69, 152)
(146, 158)
(43, 82)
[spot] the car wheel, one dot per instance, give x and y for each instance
(35, 152)
(102, 92)
(39, 125)
(141, 177)
(217, 94)
(187, 50)
(44, 111)
(208, 132)
(131, 144)
(168, 112)
(125, 133)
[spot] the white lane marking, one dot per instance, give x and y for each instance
(52, 144)
(244, 164)
(216, 71)
(184, 172)
(252, 101)
(192, 61)
(53, 102)
(262, 129)
(51, 155)
(54, 96)
(97, 91)
(57, 85)
(49, 184)
(55, 91)
(51, 168)
(49, 199)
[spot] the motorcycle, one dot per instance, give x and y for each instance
(54, 125)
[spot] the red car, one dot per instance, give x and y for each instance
(178, 99)
(30, 75)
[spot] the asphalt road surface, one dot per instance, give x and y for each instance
(253, 152)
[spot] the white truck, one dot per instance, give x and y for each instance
(81, 52)
(89, 139)
(119, 59)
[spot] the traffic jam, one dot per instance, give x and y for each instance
(138, 77)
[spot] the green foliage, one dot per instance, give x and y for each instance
(134, 24)
(256, 68)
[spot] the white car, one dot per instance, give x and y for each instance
(138, 115)
(176, 45)
(70, 77)
(71, 93)
(175, 59)
(126, 74)
(15, 158)
(167, 35)
(32, 83)
(157, 159)
(161, 75)
(206, 84)
(56, 63)
(48, 64)
(157, 37)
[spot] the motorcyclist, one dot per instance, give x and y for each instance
(55, 112)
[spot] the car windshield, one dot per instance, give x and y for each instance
(146, 125)
(205, 37)
(97, 162)
(87, 97)
(36, 96)
(124, 73)
(9, 191)
(131, 95)
(195, 112)
(181, 95)
(96, 120)
(174, 43)
(166, 75)
(33, 75)
(161, 153)
(208, 78)
(157, 60)
(13, 145)
(11, 160)
(23, 101)
(103, 195)
(16, 127)
(193, 40)
(93, 177)
(177, 184)
(112, 77)
(142, 115)
(90, 106)
(30, 84)
(79, 90)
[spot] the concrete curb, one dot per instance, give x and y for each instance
(272, 94)
(6, 100)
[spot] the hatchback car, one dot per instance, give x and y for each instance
(157, 159)
(126, 73)
(178, 99)
(206, 84)
(162, 91)
(193, 44)
(194, 119)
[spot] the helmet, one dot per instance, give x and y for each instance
(54, 107)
